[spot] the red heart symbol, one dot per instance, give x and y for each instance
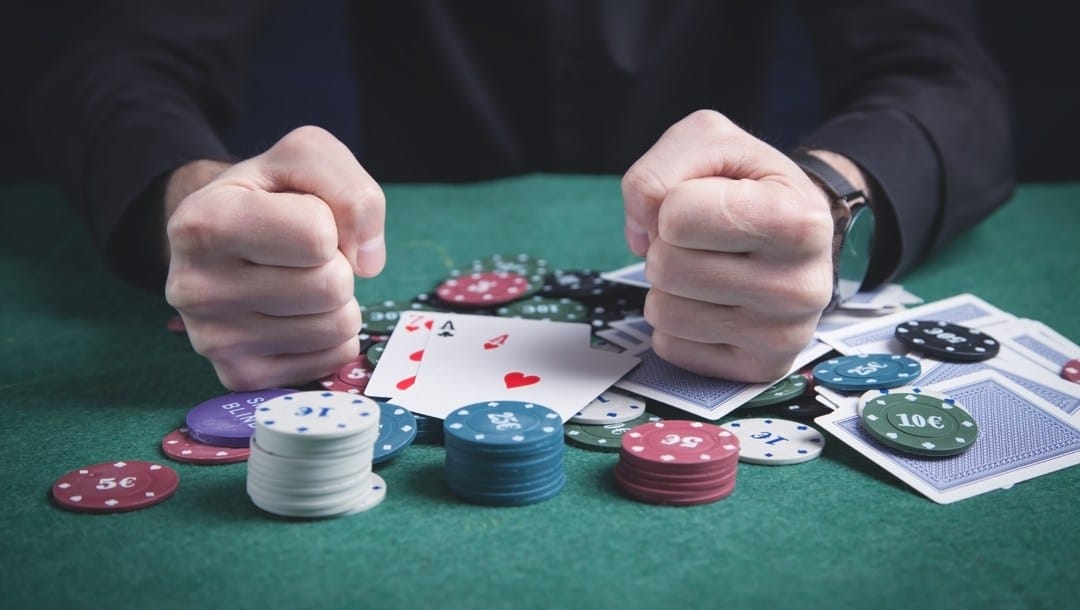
(517, 379)
(411, 327)
(417, 355)
(406, 383)
(427, 324)
(489, 345)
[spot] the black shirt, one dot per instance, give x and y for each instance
(478, 89)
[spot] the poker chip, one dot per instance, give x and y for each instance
(580, 285)
(865, 372)
(311, 455)
(786, 389)
(918, 421)
(1071, 370)
(504, 453)
(947, 341)
(179, 446)
(606, 437)
(228, 420)
(176, 325)
(542, 308)
(611, 407)
(677, 462)
(775, 442)
(114, 487)
(356, 373)
(380, 318)
(333, 383)
(374, 352)
(484, 288)
(803, 409)
(397, 430)
(429, 430)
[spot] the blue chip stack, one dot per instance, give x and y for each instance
(397, 430)
(504, 453)
(429, 430)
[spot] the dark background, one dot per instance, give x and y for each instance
(300, 74)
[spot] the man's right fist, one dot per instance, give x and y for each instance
(262, 259)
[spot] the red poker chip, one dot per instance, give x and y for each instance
(177, 445)
(687, 445)
(114, 487)
(484, 288)
(668, 483)
(176, 325)
(356, 373)
(332, 383)
(1071, 370)
(674, 498)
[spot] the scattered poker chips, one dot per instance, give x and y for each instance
(311, 455)
(788, 388)
(914, 420)
(397, 430)
(1071, 370)
(380, 318)
(947, 341)
(504, 453)
(677, 462)
(179, 446)
(228, 420)
(542, 308)
(580, 285)
(775, 442)
(603, 437)
(611, 407)
(115, 487)
(867, 372)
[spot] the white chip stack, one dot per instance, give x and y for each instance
(311, 455)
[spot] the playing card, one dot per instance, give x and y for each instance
(1036, 342)
(877, 334)
(1021, 436)
(631, 275)
(400, 361)
(479, 358)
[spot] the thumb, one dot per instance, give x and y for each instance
(311, 160)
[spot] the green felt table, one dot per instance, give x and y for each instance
(88, 373)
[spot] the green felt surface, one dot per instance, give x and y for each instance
(88, 373)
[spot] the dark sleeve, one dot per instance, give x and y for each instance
(909, 94)
(148, 88)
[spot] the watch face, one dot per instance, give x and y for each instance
(853, 260)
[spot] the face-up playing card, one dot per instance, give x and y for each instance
(471, 359)
(400, 361)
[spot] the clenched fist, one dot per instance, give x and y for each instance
(263, 256)
(738, 247)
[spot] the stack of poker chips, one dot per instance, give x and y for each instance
(429, 430)
(504, 453)
(677, 462)
(311, 455)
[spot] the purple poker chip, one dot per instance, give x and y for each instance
(228, 420)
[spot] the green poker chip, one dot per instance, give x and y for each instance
(786, 389)
(381, 317)
(917, 421)
(607, 437)
(375, 351)
(542, 308)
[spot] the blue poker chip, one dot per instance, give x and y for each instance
(508, 424)
(397, 430)
(867, 372)
(429, 430)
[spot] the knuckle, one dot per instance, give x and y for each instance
(319, 234)
(708, 121)
(335, 284)
(641, 180)
(347, 321)
(304, 139)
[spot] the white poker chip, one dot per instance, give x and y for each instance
(318, 413)
(775, 442)
(611, 407)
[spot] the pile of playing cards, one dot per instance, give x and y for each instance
(436, 362)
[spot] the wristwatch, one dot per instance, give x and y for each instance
(853, 235)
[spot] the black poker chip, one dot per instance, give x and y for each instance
(947, 341)
(581, 285)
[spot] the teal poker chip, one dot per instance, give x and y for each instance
(397, 430)
(867, 372)
(543, 308)
(505, 423)
(917, 421)
(788, 388)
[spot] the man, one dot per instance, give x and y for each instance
(742, 245)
